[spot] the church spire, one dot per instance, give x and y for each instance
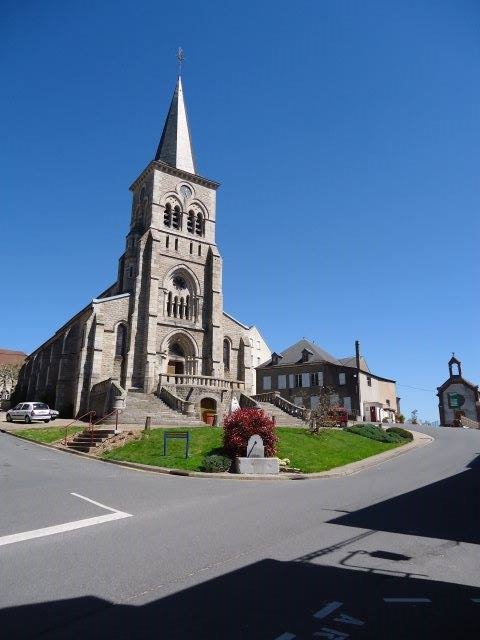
(175, 146)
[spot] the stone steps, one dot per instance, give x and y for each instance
(88, 440)
(139, 405)
(282, 419)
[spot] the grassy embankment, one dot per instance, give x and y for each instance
(307, 452)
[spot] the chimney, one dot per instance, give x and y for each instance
(357, 354)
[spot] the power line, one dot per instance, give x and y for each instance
(417, 388)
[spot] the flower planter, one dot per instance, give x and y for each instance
(209, 418)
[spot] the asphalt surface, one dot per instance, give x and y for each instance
(208, 558)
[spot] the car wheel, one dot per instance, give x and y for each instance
(46, 421)
(9, 417)
(28, 420)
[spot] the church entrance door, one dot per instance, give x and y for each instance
(175, 368)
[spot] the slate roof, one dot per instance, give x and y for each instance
(293, 354)
(175, 146)
(7, 356)
(351, 361)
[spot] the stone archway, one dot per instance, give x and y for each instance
(181, 355)
(208, 410)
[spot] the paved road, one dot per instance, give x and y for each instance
(176, 557)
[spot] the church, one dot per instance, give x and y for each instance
(158, 339)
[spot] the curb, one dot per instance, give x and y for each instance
(419, 440)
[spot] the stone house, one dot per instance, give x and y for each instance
(458, 399)
(160, 330)
(299, 373)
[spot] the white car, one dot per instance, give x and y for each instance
(28, 412)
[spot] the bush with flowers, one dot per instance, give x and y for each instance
(240, 425)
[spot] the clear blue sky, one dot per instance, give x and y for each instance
(345, 135)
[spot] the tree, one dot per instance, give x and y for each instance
(323, 416)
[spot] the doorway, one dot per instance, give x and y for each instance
(175, 368)
(208, 410)
(373, 414)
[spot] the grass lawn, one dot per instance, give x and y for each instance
(47, 434)
(307, 452)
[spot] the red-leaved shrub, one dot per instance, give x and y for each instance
(243, 423)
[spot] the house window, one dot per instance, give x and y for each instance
(176, 244)
(298, 400)
(341, 378)
(199, 249)
(305, 379)
(369, 381)
(298, 379)
(291, 380)
(347, 404)
(267, 383)
(167, 242)
(282, 382)
(316, 379)
(191, 248)
(314, 402)
(226, 355)
(334, 399)
(387, 402)
(130, 272)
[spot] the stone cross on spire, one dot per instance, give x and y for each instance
(175, 146)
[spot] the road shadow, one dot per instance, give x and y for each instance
(446, 509)
(261, 602)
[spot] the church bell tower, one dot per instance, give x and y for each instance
(171, 265)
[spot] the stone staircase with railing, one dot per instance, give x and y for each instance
(285, 413)
(139, 405)
(89, 439)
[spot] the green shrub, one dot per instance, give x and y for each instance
(374, 432)
(216, 463)
(403, 433)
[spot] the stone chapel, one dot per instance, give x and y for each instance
(159, 335)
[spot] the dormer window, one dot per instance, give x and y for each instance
(306, 355)
(276, 357)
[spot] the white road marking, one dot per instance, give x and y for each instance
(346, 619)
(407, 600)
(286, 636)
(330, 634)
(327, 610)
(67, 526)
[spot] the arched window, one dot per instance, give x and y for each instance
(169, 304)
(176, 218)
(226, 355)
(121, 342)
(167, 216)
(199, 224)
(191, 222)
(187, 308)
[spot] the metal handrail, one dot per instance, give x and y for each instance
(90, 413)
(94, 424)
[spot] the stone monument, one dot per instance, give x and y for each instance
(255, 461)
